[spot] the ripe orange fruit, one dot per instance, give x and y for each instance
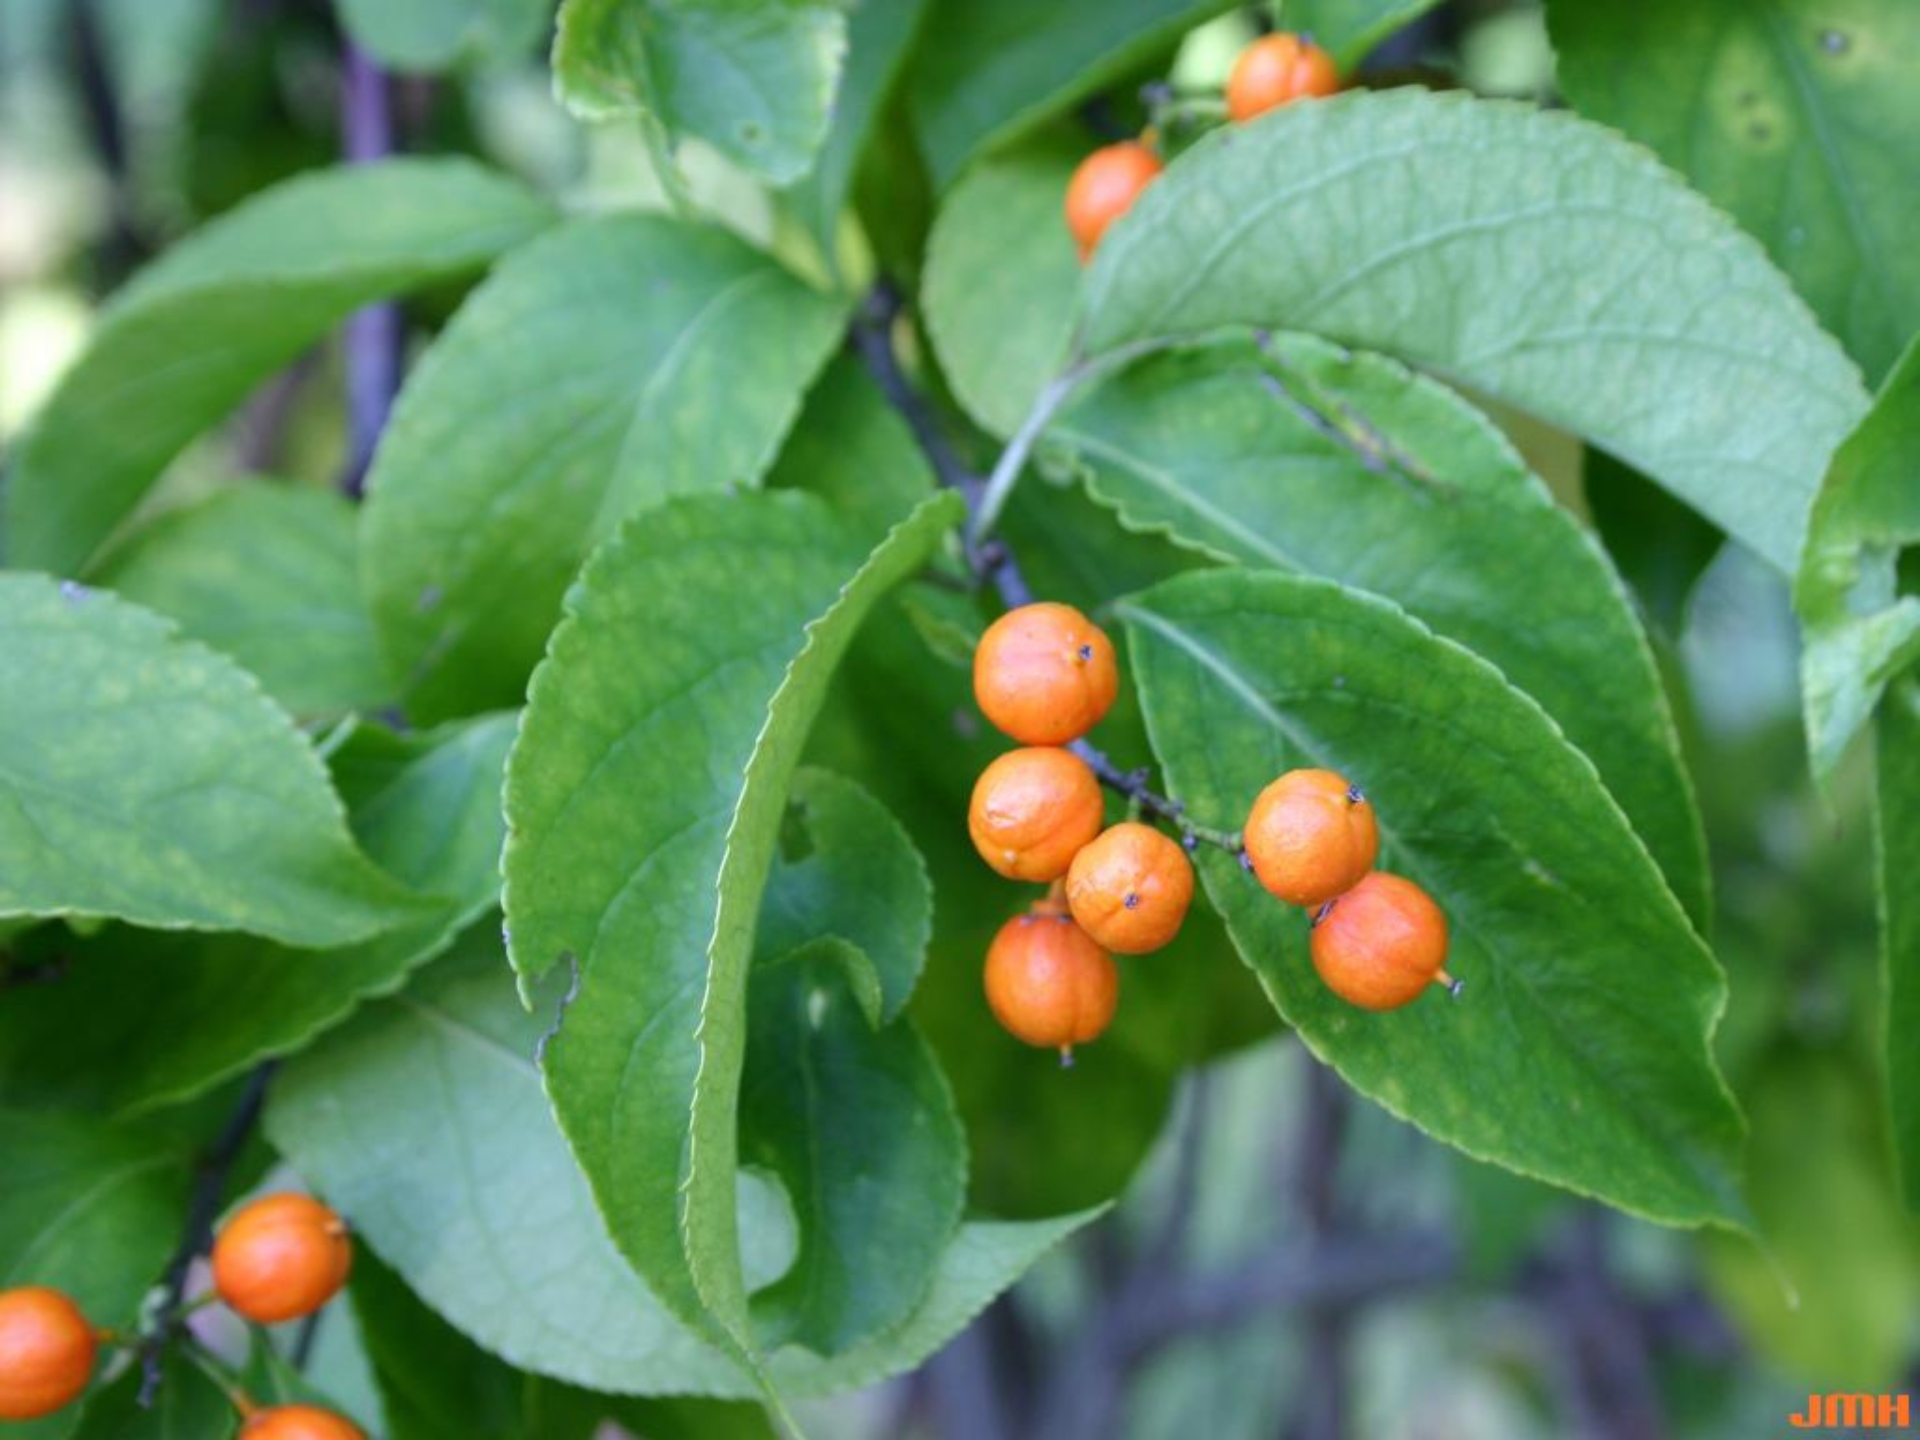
(1310, 836)
(281, 1257)
(1032, 810)
(46, 1352)
(1048, 983)
(1130, 888)
(299, 1422)
(1275, 69)
(1104, 188)
(1045, 674)
(1382, 943)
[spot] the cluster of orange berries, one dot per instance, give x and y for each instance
(1270, 72)
(279, 1258)
(1045, 674)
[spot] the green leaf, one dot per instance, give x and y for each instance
(753, 78)
(1859, 630)
(859, 1125)
(846, 870)
(419, 36)
(1001, 280)
(1289, 453)
(1897, 848)
(639, 368)
(643, 781)
(438, 1385)
(1538, 258)
(268, 575)
(1579, 1053)
(145, 777)
(469, 1192)
(987, 70)
(1832, 1227)
(1349, 29)
(137, 1019)
(1794, 116)
(189, 1406)
(193, 333)
(879, 35)
(88, 1208)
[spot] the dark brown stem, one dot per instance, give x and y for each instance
(373, 334)
(196, 1235)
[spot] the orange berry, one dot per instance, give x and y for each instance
(1045, 674)
(1382, 943)
(1130, 888)
(1032, 810)
(1310, 836)
(1275, 69)
(46, 1352)
(1104, 188)
(299, 1422)
(1048, 983)
(281, 1257)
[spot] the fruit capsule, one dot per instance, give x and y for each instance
(1276, 69)
(1310, 836)
(1049, 983)
(298, 1422)
(281, 1257)
(1382, 943)
(1045, 674)
(1104, 188)
(46, 1352)
(1032, 811)
(1130, 888)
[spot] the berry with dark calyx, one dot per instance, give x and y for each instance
(298, 1422)
(281, 1257)
(1130, 888)
(1310, 836)
(1104, 188)
(1032, 811)
(1049, 983)
(1382, 943)
(1045, 674)
(1276, 69)
(47, 1349)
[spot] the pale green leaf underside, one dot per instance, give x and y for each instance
(988, 69)
(1897, 832)
(1797, 117)
(1580, 1050)
(1859, 630)
(433, 35)
(1535, 256)
(470, 1193)
(267, 574)
(1289, 453)
(755, 79)
(144, 777)
(616, 362)
(192, 334)
(141, 1019)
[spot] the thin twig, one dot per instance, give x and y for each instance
(196, 1234)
